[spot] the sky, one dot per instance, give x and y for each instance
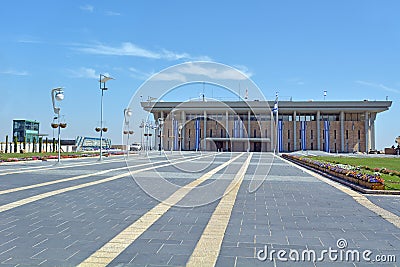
(297, 48)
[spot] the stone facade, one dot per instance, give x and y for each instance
(252, 126)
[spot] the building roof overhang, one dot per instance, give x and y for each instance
(263, 106)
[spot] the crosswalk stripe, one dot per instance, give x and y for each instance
(120, 242)
(209, 245)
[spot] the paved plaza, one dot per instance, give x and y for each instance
(90, 213)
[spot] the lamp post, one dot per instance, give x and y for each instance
(180, 136)
(103, 80)
(127, 131)
(141, 126)
(57, 94)
(160, 125)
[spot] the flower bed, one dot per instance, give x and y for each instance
(345, 172)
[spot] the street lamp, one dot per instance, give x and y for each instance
(101, 129)
(180, 136)
(57, 94)
(160, 125)
(127, 131)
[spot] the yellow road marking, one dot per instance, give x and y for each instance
(208, 247)
(120, 242)
(71, 188)
(16, 189)
(361, 199)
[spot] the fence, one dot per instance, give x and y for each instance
(30, 147)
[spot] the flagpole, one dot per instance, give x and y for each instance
(276, 109)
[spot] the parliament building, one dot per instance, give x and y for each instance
(210, 125)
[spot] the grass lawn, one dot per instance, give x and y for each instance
(392, 182)
(5, 156)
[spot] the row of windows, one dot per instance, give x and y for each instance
(282, 117)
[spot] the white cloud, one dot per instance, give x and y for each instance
(89, 8)
(244, 69)
(130, 49)
(139, 74)
(379, 86)
(86, 73)
(112, 13)
(171, 76)
(14, 72)
(223, 73)
(188, 72)
(28, 39)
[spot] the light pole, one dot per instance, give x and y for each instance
(160, 125)
(57, 94)
(180, 137)
(127, 114)
(141, 126)
(103, 80)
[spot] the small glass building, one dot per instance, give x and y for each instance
(26, 128)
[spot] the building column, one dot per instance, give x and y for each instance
(227, 129)
(367, 131)
(249, 130)
(294, 131)
(162, 132)
(272, 132)
(205, 131)
(183, 121)
(373, 117)
(318, 130)
(342, 131)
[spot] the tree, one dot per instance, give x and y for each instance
(6, 143)
(40, 144)
(15, 144)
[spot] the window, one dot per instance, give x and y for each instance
(347, 134)
(334, 135)
(222, 132)
(168, 133)
(288, 134)
(211, 133)
(189, 133)
(312, 134)
(288, 146)
(255, 133)
(335, 147)
(312, 146)
(359, 134)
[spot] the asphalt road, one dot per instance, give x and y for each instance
(226, 209)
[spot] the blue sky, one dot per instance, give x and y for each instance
(299, 48)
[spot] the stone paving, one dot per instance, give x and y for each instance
(291, 210)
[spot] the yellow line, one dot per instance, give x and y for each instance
(120, 242)
(208, 247)
(361, 199)
(71, 188)
(16, 189)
